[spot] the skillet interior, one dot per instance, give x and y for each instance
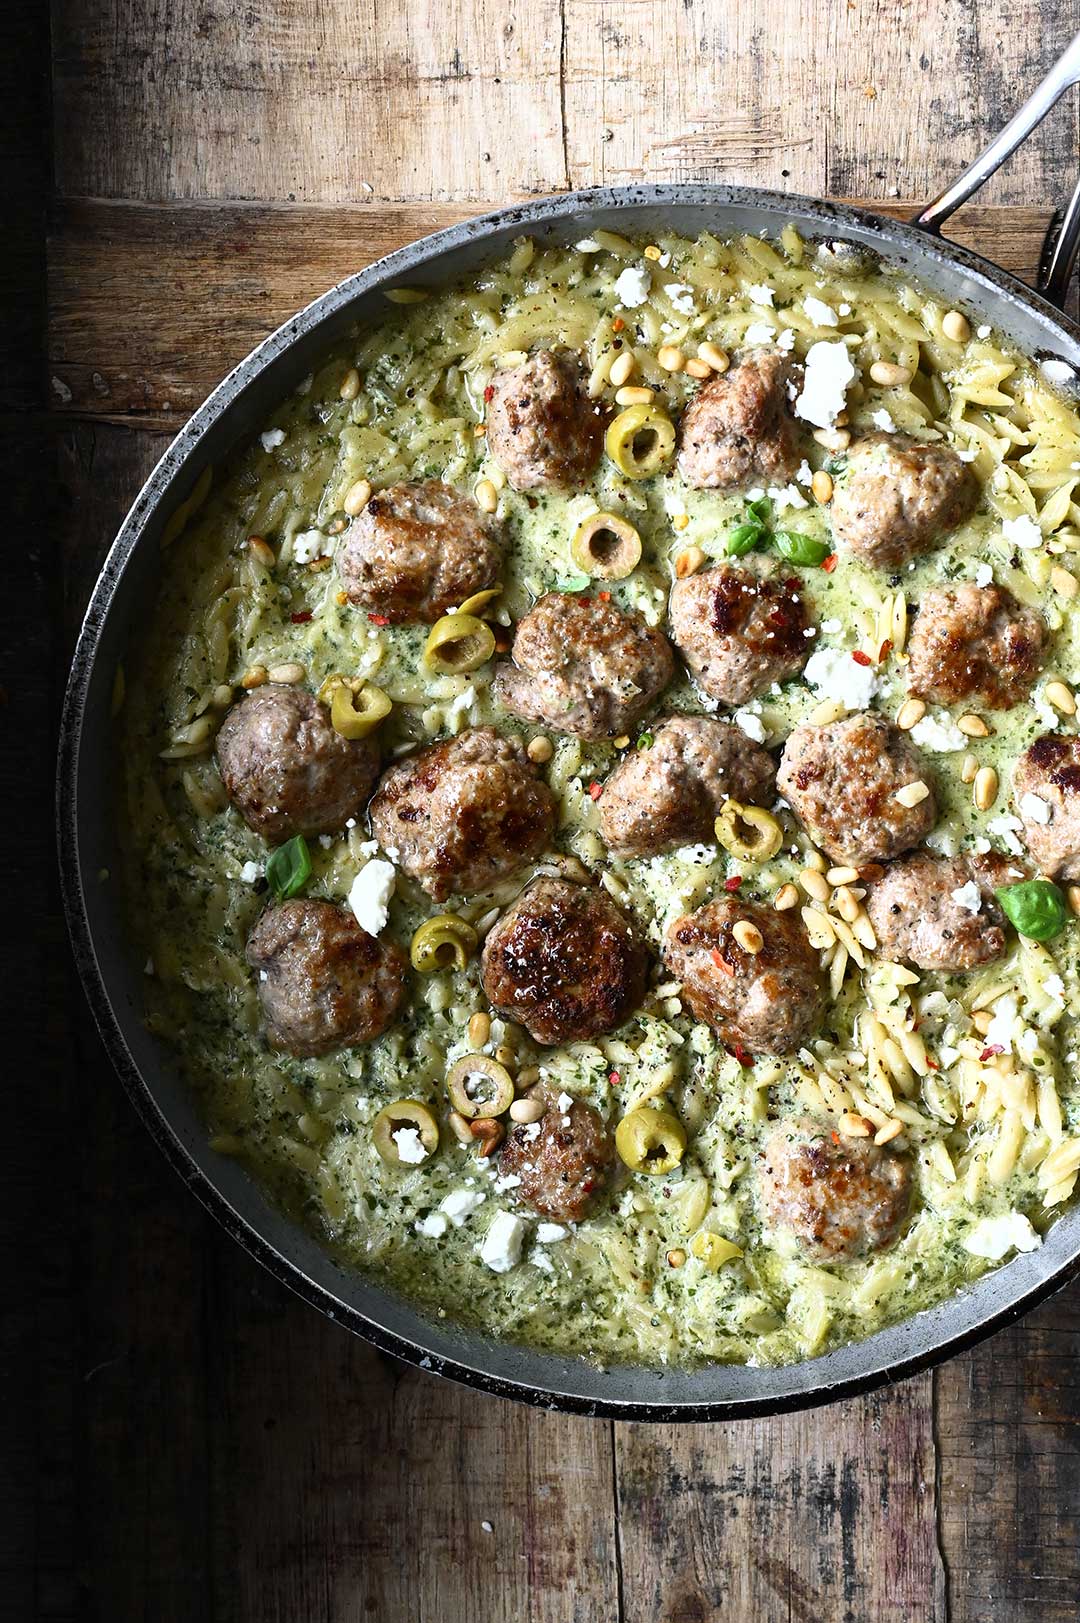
(104, 953)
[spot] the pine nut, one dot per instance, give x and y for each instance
(634, 395)
(713, 356)
(350, 385)
(622, 368)
(814, 860)
(973, 726)
(479, 1029)
(286, 674)
(956, 326)
(845, 903)
(829, 710)
(527, 1076)
(968, 768)
(652, 251)
(911, 711)
(487, 497)
(357, 497)
(787, 897)
(526, 1110)
(986, 787)
(261, 552)
(460, 1127)
(1072, 896)
(688, 562)
(1064, 583)
(912, 793)
(833, 439)
(1061, 698)
(842, 876)
(676, 1257)
(670, 358)
(891, 1130)
(505, 1054)
(821, 487)
(814, 884)
(890, 375)
(853, 1126)
(255, 677)
(748, 936)
(540, 749)
(697, 369)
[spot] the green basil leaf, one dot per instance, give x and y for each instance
(1036, 907)
(645, 742)
(288, 869)
(761, 510)
(744, 538)
(800, 549)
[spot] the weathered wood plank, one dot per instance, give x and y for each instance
(821, 1515)
(150, 306)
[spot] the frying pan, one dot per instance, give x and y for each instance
(105, 954)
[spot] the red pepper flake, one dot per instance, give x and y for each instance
(379, 619)
(830, 563)
(301, 619)
(588, 1186)
(605, 597)
(860, 658)
(744, 1057)
(618, 324)
(932, 1064)
(734, 882)
(614, 1079)
(721, 962)
(884, 651)
(489, 392)
(793, 583)
(990, 1050)
(835, 1137)
(596, 790)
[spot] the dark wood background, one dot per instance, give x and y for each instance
(180, 1439)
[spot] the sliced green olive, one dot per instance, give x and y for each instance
(640, 440)
(401, 1116)
(606, 547)
(748, 832)
(479, 601)
(487, 1077)
(441, 942)
(650, 1140)
(356, 708)
(458, 643)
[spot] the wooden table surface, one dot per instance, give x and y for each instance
(183, 1439)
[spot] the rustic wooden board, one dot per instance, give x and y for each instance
(149, 306)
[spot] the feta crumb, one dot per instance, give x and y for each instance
(982, 846)
(564, 1101)
(992, 1237)
(788, 496)
(968, 896)
(682, 297)
(541, 1260)
(587, 245)
(786, 341)
(1022, 532)
(984, 575)
(835, 675)
(551, 1233)
(883, 419)
(761, 293)
(831, 627)
(829, 371)
(967, 454)
(410, 1146)
(1057, 371)
(759, 332)
(751, 725)
(250, 872)
(1006, 829)
(309, 545)
(633, 286)
(370, 893)
(460, 1204)
(845, 309)
(433, 1226)
(939, 733)
(272, 439)
(804, 473)
(501, 1248)
(1034, 808)
(983, 331)
(1054, 986)
(820, 313)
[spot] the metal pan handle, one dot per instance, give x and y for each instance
(1060, 258)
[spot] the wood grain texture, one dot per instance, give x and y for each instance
(150, 306)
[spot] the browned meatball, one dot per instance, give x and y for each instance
(840, 1197)
(286, 770)
(324, 983)
(767, 1002)
(974, 644)
(542, 428)
(739, 631)
(564, 963)
(461, 815)
(582, 666)
(418, 551)
(918, 920)
(563, 1160)
(738, 428)
(841, 781)
(671, 792)
(1046, 788)
(898, 497)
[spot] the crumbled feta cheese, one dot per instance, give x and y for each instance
(984, 574)
(981, 846)
(1022, 532)
(759, 332)
(966, 453)
(761, 293)
(410, 1146)
(682, 297)
(272, 439)
(433, 1226)
(1034, 808)
(1006, 828)
(250, 872)
(820, 313)
(968, 896)
(804, 473)
(1054, 986)
(587, 245)
(939, 733)
(999, 1033)
(941, 841)
(309, 545)
(845, 309)
(983, 331)
(883, 419)
(835, 675)
(501, 1248)
(993, 1237)
(541, 1260)
(633, 286)
(370, 893)
(751, 725)
(1057, 371)
(829, 371)
(551, 1233)
(460, 1204)
(787, 496)
(831, 627)
(786, 340)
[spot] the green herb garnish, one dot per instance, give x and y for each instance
(1036, 907)
(288, 869)
(800, 549)
(645, 742)
(755, 529)
(576, 583)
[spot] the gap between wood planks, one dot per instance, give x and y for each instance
(150, 305)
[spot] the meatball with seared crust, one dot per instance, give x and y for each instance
(582, 666)
(461, 815)
(738, 429)
(542, 428)
(939, 912)
(564, 963)
(324, 983)
(898, 497)
(974, 644)
(563, 1160)
(739, 630)
(670, 792)
(1046, 788)
(417, 551)
(841, 781)
(286, 770)
(770, 1001)
(840, 1197)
